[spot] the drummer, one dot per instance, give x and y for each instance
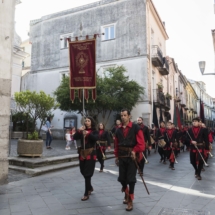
(159, 137)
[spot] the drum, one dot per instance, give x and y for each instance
(152, 140)
(161, 143)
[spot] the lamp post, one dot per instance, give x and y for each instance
(202, 65)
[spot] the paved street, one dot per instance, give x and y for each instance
(171, 192)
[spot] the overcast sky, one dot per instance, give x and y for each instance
(188, 24)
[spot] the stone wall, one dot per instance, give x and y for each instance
(6, 47)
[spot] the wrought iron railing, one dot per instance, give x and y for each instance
(158, 97)
(156, 52)
(167, 103)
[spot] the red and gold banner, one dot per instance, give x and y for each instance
(82, 57)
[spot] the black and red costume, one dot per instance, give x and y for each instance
(181, 137)
(171, 139)
(87, 164)
(128, 139)
(160, 135)
(199, 135)
(147, 139)
(102, 143)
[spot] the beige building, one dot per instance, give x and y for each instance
(7, 9)
(26, 62)
(158, 66)
(19, 55)
(192, 99)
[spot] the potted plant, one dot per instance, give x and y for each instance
(168, 96)
(32, 146)
(35, 106)
(160, 86)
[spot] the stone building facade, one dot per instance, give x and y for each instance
(7, 9)
(128, 25)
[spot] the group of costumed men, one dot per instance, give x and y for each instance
(132, 143)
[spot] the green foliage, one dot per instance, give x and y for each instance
(114, 92)
(35, 105)
(160, 86)
(168, 96)
(19, 120)
(33, 136)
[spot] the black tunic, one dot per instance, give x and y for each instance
(87, 165)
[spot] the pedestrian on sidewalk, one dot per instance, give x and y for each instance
(87, 153)
(129, 142)
(68, 139)
(102, 144)
(48, 133)
(72, 132)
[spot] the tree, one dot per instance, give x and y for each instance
(114, 92)
(35, 105)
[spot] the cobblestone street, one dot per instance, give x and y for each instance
(171, 192)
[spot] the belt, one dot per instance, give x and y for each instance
(101, 142)
(125, 148)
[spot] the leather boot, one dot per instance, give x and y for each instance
(125, 201)
(130, 204)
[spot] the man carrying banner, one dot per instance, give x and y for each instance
(129, 145)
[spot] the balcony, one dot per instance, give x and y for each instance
(157, 56)
(178, 98)
(167, 104)
(183, 101)
(158, 98)
(164, 70)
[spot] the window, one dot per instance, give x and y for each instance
(109, 32)
(63, 40)
(23, 64)
(106, 72)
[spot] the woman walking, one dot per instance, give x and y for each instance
(102, 144)
(87, 153)
(48, 133)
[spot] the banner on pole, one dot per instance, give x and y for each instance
(82, 58)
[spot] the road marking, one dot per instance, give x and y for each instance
(168, 186)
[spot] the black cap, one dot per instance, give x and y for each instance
(196, 119)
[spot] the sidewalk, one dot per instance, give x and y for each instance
(59, 193)
(53, 159)
(58, 149)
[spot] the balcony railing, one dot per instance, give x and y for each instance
(183, 101)
(164, 70)
(157, 56)
(158, 97)
(178, 98)
(167, 104)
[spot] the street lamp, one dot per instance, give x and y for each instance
(202, 68)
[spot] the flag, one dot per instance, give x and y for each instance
(161, 115)
(178, 117)
(202, 115)
(155, 118)
(175, 115)
(82, 58)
